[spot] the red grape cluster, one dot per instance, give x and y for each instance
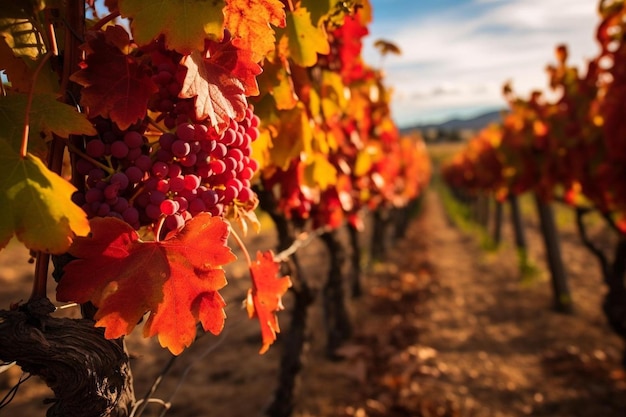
(189, 171)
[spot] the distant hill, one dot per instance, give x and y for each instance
(472, 123)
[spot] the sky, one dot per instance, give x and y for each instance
(457, 54)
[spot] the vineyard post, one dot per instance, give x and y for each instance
(561, 292)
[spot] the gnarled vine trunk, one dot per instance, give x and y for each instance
(89, 375)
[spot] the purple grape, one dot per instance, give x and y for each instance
(163, 186)
(174, 170)
(83, 166)
(134, 174)
(180, 148)
(153, 211)
(210, 198)
(133, 139)
(245, 194)
(111, 191)
(189, 160)
(169, 207)
(143, 162)
(93, 195)
(166, 140)
(177, 184)
(220, 151)
(130, 216)
(174, 222)
(119, 149)
(185, 132)
(121, 179)
(156, 197)
(191, 182)
(160, 169)
(196, 206)
(182, 203)
(103, 210)
(218, 166)
(95, 148)
(121, 205)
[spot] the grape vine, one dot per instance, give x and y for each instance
(178, 121)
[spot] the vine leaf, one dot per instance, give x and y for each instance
(19, 32)
(117, 86)
(20, 70)
(220, 79)
(249, 22)
(36, 204)
(294, 136)
(301, 40)
(320, 172)
(47, 115)
(276, 80)
(264, 298)
(185, 23)
(175, 281)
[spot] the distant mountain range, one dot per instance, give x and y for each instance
(472, 123)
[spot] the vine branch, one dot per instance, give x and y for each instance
(582, 231)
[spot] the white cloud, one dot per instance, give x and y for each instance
(460, 58)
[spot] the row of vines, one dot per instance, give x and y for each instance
(568, 146)
(136, 136)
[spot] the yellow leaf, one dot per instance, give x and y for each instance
(301, 40)
(319, 172)
(37, 205)
(185, 23)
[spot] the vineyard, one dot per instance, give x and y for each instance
(209, 210)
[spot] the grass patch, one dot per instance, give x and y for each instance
(462, 217)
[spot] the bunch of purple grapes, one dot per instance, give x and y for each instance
(189, 171)
(168, 75)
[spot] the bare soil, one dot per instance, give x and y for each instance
(444, 328)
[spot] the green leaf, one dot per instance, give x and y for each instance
(46, 115)
(18, 30)
(304, 40)
(185, 23)
(37, 205)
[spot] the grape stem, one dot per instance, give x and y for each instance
(240, 244)
(106, 19)
(159, 228)
(29, 104)
(83, 155)
(155, 125)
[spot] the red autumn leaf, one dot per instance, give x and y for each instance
(117, 86)
(219, 79)
(175, 280)
(249, 22)
(264, 299)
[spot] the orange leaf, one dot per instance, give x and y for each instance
(249, 22)
(264, 299)
(219, 79)
(116, 85)
(175, 280)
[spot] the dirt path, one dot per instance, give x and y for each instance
(450, 330)
(444, 329)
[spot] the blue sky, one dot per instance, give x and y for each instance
(457, 54)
